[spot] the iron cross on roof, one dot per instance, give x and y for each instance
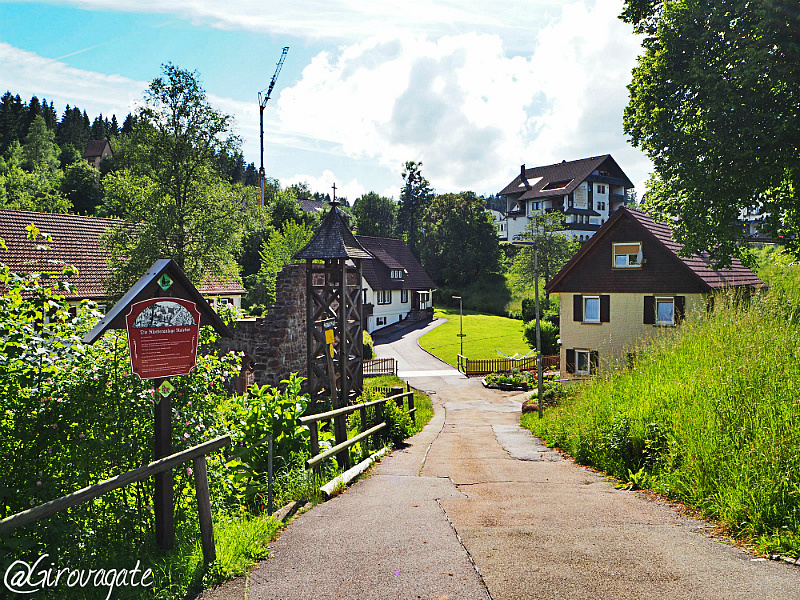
(334, 201)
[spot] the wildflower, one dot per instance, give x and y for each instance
(186, 436)
(128, 391)
(81, 435)
(188, 470)
(38, 483)
(55, 425)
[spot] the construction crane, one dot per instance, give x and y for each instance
(262, 103)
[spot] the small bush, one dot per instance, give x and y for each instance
(549, 334)
(369, 345)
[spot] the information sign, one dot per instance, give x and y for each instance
(162, 337)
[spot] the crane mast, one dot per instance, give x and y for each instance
(262, 103)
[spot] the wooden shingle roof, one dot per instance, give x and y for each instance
(76, 242)
(95, 148)
(333, 239)
(392, 254)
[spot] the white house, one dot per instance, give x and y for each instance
(395, 286)
(585, 191)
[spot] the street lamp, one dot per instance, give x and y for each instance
(539, 374)
(461, 333)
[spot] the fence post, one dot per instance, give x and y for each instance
(411, 402)
(204, 509)
(269, 476)
(314, 442)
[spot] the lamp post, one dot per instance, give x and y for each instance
(461, 333)
(539, 374)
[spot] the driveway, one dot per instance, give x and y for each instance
(475, 507)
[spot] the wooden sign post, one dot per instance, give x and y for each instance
(162, 314)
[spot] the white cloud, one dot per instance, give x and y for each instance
(28, 74)
(466, 108)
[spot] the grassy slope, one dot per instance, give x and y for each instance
(485, 335)
(711, 418)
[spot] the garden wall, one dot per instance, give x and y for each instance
(275, 344)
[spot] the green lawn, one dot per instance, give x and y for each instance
(485, 335)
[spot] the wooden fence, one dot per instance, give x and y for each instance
(341, 413)
(502, 365)
(197, 454)
(380, 366)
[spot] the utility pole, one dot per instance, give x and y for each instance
(539, 374)
(461, 333)
(262, 103)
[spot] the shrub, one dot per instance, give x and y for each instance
(549, 334)
(369, 346)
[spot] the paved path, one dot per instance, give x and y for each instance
(477, 508)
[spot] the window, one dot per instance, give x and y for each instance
(665, 311)
(404, 296)
(384, 296)
(582, 362)
(380, 321)
(627, 255)
(591, 309)
(601, 189)
(397, 274)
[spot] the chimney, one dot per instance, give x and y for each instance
(523, 177)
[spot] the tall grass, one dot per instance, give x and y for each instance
(710, 417)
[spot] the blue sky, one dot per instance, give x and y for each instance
(471, 88)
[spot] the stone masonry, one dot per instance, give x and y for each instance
(275, 344)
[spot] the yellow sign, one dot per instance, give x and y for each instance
(329, 336)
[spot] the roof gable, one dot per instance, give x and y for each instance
(663, 271)
(562, 178)
(97, 148)
(392, 254)
(333, 239)
(76, 242)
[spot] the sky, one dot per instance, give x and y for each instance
(472, 89)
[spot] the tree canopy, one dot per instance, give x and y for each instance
(415, 196)
(375, 215)
(459, 242)
(715, 103)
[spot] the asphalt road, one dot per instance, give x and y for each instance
(477, 508)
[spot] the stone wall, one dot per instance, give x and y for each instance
(275, 344)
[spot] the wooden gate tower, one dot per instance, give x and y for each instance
(334, 304)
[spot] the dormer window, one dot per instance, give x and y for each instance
(627, 255)
(397, 273)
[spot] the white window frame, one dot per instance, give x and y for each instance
(384, 296)
(665, 300)
(404, 296)
(601, 188)
(585, 300)
(588, 355)
(396, 274)
(631, 261)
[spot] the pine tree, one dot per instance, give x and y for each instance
(34, 109)
(11, 115)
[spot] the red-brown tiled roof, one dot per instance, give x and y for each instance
(76, 242)
(542, 182)
(392, 254)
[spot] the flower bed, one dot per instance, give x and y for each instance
(516, 380)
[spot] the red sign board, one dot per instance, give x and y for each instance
(162, 337)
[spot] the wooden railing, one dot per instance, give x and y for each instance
(197, 454)
(380, 366)
(341, 413)
(502, 365)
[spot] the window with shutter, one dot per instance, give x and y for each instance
(570, 360)
(649, 310)
(605, 308)
(577, 307)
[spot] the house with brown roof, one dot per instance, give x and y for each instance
(628, 284)
(76, 241)
(395, 286)
(585, 191)
(96, 152)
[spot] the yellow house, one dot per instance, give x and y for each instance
(626, 284)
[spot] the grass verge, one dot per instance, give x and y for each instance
(710, 418)
(422, 401)
(485, 335)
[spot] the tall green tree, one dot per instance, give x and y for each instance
(375, 215)
(12, 112)
(415, 196)
(715, 103)
(21, 189)
(190, 213)
(40, 151)
(459, 240)
(553, 248)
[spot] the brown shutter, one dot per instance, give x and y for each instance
(680, 308)
(570, 360)
(605, 308)
(649, 310)
(577, 307)
(594, 356)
